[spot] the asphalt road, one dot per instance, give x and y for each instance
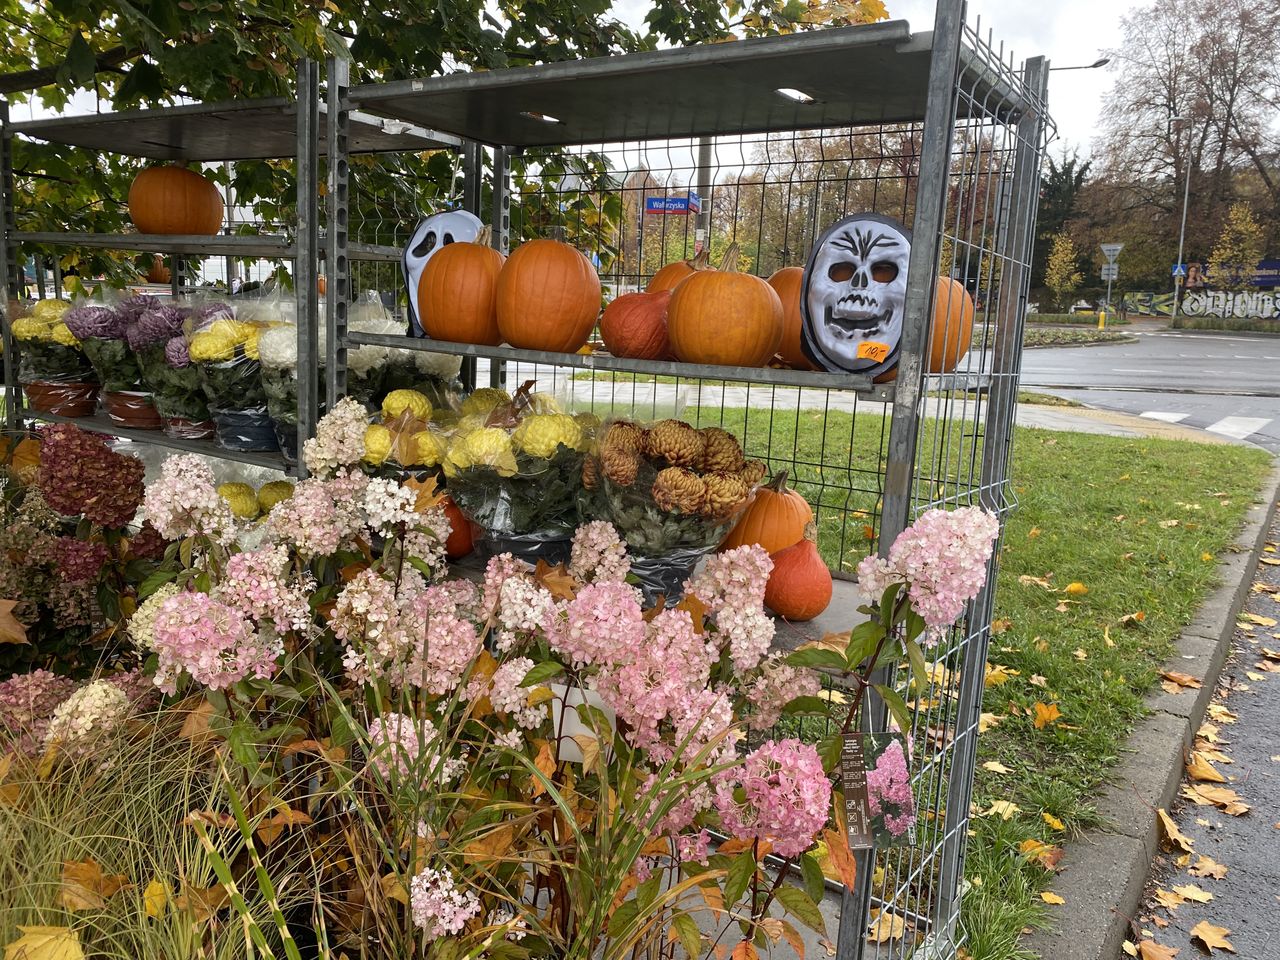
(1227, 383)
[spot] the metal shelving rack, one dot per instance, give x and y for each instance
(271, 128)
(939, 129)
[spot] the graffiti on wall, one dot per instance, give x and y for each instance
(1251, 305)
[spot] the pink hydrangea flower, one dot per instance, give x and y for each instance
(889, 790)
(603, 622)
(438, 905)
(786, 796)
(732, 584)
(777, 685)
(446, 644)
(321, 515)
(599, 554)
(507, 696)
(184, 502)
(26, 703)
(395, 741)
(211, 641)
(257, 583)
(339, 439)
(498, 571)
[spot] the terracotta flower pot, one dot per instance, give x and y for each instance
(132, 408)
(63, 399)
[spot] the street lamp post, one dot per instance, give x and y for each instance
(1182, 231)
(1100, 62)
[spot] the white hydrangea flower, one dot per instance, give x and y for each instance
(142, 624)
(91, 712)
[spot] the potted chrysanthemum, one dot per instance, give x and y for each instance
(225, 351)
(158, 342)
(55, 374)
(102, 329)
(278, 359)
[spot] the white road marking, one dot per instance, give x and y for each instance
(1134, 370)
(1238, 427)
(1166, 417)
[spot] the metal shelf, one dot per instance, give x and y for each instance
(603, 361)
(104, 425)
(269, 246)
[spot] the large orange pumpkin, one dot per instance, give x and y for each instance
(776, 518)
(635, 325)
(669, 277)
(951, 329)
(799, 586)
(548, 297)
(786, 284)
(458, 292)
(725, 318)
(175, 200)
(461, 540)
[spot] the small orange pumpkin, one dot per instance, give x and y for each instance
(460, 541)
(775, 519)
(548, 297)
(669, 276)
(635, 325)
(174, 200)
(799, 586)
(159, 272)
(951, 331)
(786, 284)
(458, 292)
(724, 317)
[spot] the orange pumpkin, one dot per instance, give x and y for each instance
(458, 292)
(159, 272)
(669, 277)
(775, 520)
(635, 325)
(460, 541)
(951, 329)
(174, 200)
(322, 284)
(725, 318)
(786, 284)
(548, 297)
(799, 586)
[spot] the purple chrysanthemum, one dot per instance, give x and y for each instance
(155, 326)
(175, 353)
(91, 320)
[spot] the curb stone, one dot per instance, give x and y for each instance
(1104, 871)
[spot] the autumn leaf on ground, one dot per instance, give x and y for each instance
(1052, 898)
(1046, 854)
(1208, 867)
(1221, 714)
(989, 721)
(1172, 835)
(1029, 581)
(1212, 937)
(1169, 899)
(1004, 809)
(1053, 822)
(1259, 619)
(1224, 798)
(1046, 714)
(998, 674)
(995, 766)
(1194, 893)
(1199, 768)
(45, 943)
(1180, 680)
(887, 926)
(1150, 950)
(86, 887)
(1133, 619)
(1076, 589)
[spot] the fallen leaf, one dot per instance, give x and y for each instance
(86, 887)
(887, 926)
(270, 828)
(1046, 854)
(1199, 768)
(1052, 898)
(1150, 950)
(203, 902)
(45, 943)
(1181, 679)
(155, 897)
(1000, 626)
(1226, 799)
(1194, 893)
(1132, 619)
(1221, 714)
(1053, 822)
(998, 674)
(995, 766)
(1029, 581)
(1076, 589)
(1129, 949)
(1251, 617)
(1038, 681)
(988, 721)
(1169, 900)
(1046, 714)
(1080, 654)
(1168, 523)
(1213, 937)
(1004, 809)
(1172, 835)
(1208, 867)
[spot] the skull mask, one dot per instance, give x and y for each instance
(430, 235)
(854, 292)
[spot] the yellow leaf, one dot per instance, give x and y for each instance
(841, 856)
(1213, 937)
(45, 943)
(1053, 822)
(1076, 589)
(270, 828)
(1198, 768)
(11, 629)
(590, 747)
(1052, 898)
(393, 888)
(1208, 867)
(86, 887)
(1221, 714)
(989, 721)
(1193, 893)
(1172, 835)
(155, 897)
(1046, 714)
(1169, 900)
(995, 766)
(1251, 617)
(1080, 654)
(998, 674)
(1004, 809)
(546, 764)
(1206, 557)
(887, 926)
(1150, 950)
(1180, 679)
(491, 844)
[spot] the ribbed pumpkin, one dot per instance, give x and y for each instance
(799, 586)
(669, 277)
(635, 325)
(174, 200)
(458, 292)
(548, 297)
(460, 541)
(775, 519)
(952, 328)
(786, 284)
(724, 317)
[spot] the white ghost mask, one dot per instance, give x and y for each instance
(854, 293)
(430, 235)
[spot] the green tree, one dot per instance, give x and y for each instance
(1062, 271)
(1060, 187)
(1239, 248)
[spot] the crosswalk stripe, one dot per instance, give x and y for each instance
(1165, 417)
(1238, 427)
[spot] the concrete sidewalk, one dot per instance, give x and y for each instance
(1090, 420)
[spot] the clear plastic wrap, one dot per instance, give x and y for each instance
(52, 367)
(157, 340)
(224, 349)
(367, 365)
(403, 440)
(278, 356)
(433, 374)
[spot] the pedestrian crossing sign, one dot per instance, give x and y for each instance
(1179, 270)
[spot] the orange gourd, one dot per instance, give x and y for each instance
(669, 277)
(460, 541)
(635, 325)
(548, 297)
(786, 284)
(724, 317)
(458, 292)
(159, 272)
(951, 329)
(174, 200)
(775, 520)
(799, 586)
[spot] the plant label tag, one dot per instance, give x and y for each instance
(871, 350)
(853, 786)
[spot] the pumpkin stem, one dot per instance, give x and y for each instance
(702, 260)
(779, 482)
(730, 262)
(485, 237)
(811, 532)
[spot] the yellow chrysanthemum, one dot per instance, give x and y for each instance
(544, 403)
(210, 347)
(540, 435)
(234, 330)
(251, 347)
(377, 443)
(486, 447)
(429, 448)
(30, 328)
(50, 312)
(61, 333)
(241, 498)
(277, 491)
(483, 401)
(398, 402)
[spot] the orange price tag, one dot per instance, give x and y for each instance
(871, 350)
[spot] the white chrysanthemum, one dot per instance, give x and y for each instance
(142, 624)
(92, 711)
(278, 347)
(442, 365)
(360, 360)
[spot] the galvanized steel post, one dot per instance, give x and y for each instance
(337, 198)
(308, 247)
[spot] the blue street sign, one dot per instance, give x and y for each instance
(1179, 269)
(673, 206)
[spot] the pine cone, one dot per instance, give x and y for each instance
(725, 493)
(675, 442)
(753, 471)
(590, 473)
(722, 452)
(679, 489)
(620, 466)
(624, 437)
